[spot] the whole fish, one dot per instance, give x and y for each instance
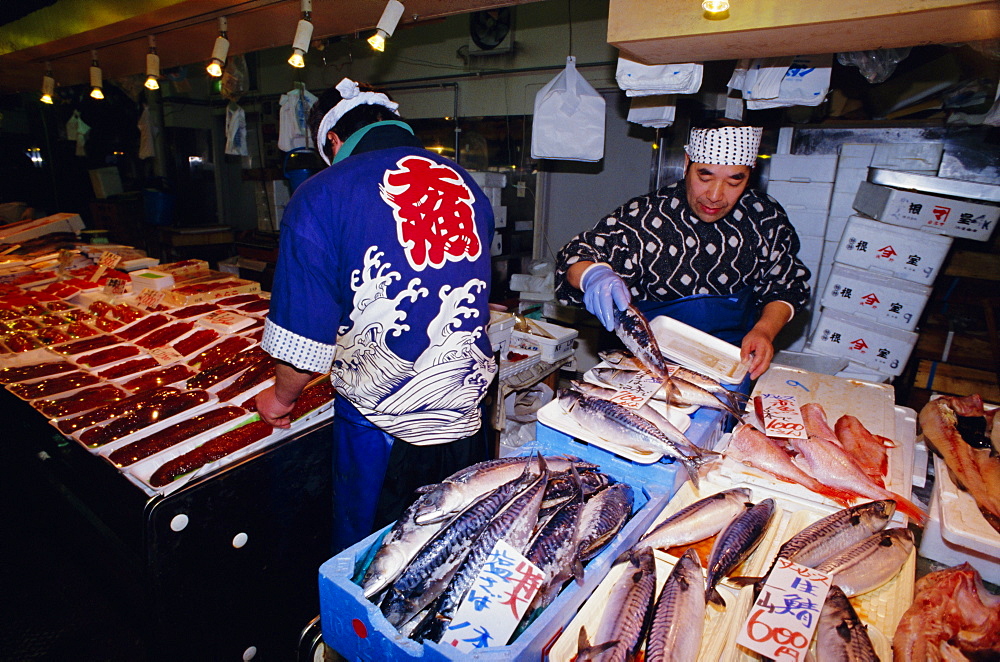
(457, 491)
(432, 569)
(562, 487)
(619, 425)
(621, 358)
(735, 543)
(514, 525)
(692, 394)
(752, 447)
(553, 549)
(814, 417)
(868, 449)
(840, 634)
(602, 517)
(734, 399)
(625, 612)
(828, 462)
(678, 622)
(870, 563)
(700, 520)
(633, 329)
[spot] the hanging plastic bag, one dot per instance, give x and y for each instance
(875, 66)
(569, 119)
(236, 131)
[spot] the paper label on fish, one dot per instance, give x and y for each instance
(166, 355)
(639, 390)
(496, 602)
(150, 298)
(784, 617)
(781, 416)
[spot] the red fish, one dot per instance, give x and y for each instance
(814, 416)
(866, 448)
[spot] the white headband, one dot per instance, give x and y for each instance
(728, 145)
(352, 98)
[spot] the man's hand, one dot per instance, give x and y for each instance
(272, 409)
(756, 351)
(603, 291)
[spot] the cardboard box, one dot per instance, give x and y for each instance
(811, 251)
(912, 255)
(106, 182)
(807, 222)
(488, 179)
(800, 195)
(891, 301)
(499, 217)
(842, 202)
(947, 216)
(25, 230)
(908, 156)
(553, 349)
(875, 346)
(835, 225)
(856, 155)
(803, 168)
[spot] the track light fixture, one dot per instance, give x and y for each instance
(387, 24)
(96, 77)
(152, 66)
(48, 85)
(303, 35)
(220, 50)
(715, 6)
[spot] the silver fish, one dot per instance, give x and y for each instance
(625, 612)
(692, 394)
(679, 615)
(633, 329)
(563, 487)
(621, 358)
(736, 542)
(620, 426)
(602, 517)
(457, 491)
(514, 525)
(870, 563)
(553, 549)
(840, 634)
(430, 572)
(700, 520)
(734, 399)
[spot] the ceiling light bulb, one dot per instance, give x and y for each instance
(96, 78)
(300, 45)
(715, 6)
(219, 51)
(48, 87)
(96, 93)
(377, 41)
(152, 83)
(152, 66)
(387, 24)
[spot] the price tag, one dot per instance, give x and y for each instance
(115, 287)
(781, 416)
(108, 260)
(496, 602)
(785, 615)
(166, 355)
(150, 298)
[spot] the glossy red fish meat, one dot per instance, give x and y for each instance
(210, 451)
(143, 327)
(143, 417)
(171, 436)
(128, 368)
(867, 449)
(26, 372)
(59, 384)
(80, 330)
(154, 378)
(210, 286)
(51, 320)
(197, 340)
(21, 342)
(115, 409)
(256, 374)
(219, 352)
(261, 306)
(87, 345)
(52, 336)
(164, 335)
(311, 398)
(239, 299)
(107, 324)
(231, 366)
(84, 400)
(194, 310)
(106, 356)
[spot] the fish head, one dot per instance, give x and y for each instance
(881, 511)
(568, 399)
(445, 500)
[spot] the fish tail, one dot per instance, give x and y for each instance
(692, 470)
(910, 509)
(713, 596)
(746, 581)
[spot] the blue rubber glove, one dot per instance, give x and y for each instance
(603, 291)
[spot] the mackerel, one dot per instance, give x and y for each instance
(840, 634)
(553, 549)
(561, 488)
(622, 359)
(865, 566)
(621, 426)
(464, 487)
(736, 542)
(732, 398)
(678, 622)
(693, 394)
(633, 329)
(431, 570)
(514, 525)
(625, 612)
(603, 516)
(700, 520)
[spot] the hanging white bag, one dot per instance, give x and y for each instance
(569, 119)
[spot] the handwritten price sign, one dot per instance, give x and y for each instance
(781, 416)
(108, 261)
(638, 390)
(785, 616)
(150, 298)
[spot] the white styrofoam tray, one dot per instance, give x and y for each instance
(697, 350)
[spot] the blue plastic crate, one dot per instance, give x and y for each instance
(356, 629)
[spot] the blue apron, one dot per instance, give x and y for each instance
(726, 316)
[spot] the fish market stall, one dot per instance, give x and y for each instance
(130, 397)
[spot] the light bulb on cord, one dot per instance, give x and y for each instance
(220, 50)
(715, 6)
(387, 24)
(303, 35)
(48, 86)
(96, 78)
(152, 66)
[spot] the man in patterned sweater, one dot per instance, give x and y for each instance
(706, 251)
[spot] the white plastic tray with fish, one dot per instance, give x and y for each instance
(872, 404)
(962, 522)
(591, 378)
(697, 350)
(880, 609)
(553, 416)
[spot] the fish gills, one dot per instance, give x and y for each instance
(871, 563)
(840, 634)
(736, 542)
(678, 622)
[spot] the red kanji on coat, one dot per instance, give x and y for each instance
(435, 220)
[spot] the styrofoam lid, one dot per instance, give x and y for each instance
(697, 350)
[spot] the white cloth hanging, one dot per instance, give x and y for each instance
(77, 130)
(147, 134)
(568, 123)
(236, 131)
(640, 80)
(293, 133)
(778, 82)
(655, 111)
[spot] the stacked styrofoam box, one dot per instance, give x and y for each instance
(802, 185)
(492, 184)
